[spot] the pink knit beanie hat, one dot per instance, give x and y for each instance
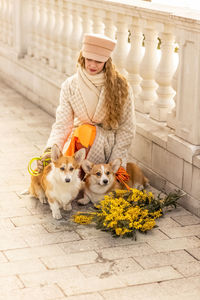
(97, 47)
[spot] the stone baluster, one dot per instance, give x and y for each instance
(171, 117)
(164, 74)
(4, 27)
(7, 22)
(147, 69)
(10, 22)
(188, 91)
(49, 29)
(135, 55)
(66, 33)
(52, 37)
(1, 19)
(39, 37)
(43, 32)
(60, 43)
(110, 29)
(58, 32)
(98, 23)
(37, 25)
(32, 33)
(121, 49)
(75, 38)
(86, 20)
(21, 19)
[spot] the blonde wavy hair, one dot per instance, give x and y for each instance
(116, 93)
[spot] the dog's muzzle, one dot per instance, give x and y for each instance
(67, 180)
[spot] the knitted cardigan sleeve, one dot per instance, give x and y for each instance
(63, 125)
(126, 131)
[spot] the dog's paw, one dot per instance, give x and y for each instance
(67, 207)
(83, 201)
(56, 215)
(43, 200)
(138, 186)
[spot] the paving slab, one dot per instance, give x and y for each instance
(42, 258)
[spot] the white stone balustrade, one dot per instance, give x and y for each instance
(57, 34)
(60, 37)
(171, 116)
(32, 35)
(98, 21)
(67, 30)
(164, 75)
(135, 56)
(41, 40)
(10, 22)
(6, 22)
(75, 37)
(148, 67)
(110, 29)
(188, 87)
(121, 49)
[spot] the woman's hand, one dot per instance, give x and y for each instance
(46, 157)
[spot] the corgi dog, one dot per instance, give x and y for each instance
(59, 183)
(100, 179)
(136, 177)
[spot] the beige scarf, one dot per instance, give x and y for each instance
(90, 88)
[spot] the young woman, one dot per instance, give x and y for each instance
(96, 109)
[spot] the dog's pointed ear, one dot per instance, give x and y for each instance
(80, 155)
(115, 164)
(55, 153)
(87, 166)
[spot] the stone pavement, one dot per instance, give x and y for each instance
(41, 258)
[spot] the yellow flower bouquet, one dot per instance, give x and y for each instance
(124, 212)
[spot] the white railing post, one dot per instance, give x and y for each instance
(52, 37)
(58, 32)
(86, 20)
(66, 33)
(32, 42)
(171, 117)
(122, 47)
(147, 69)
(164, 74)
(39, 30)
(4, 27)
(31, 29)
(110, 29)
(10, 22)
(21, 27)
(37, 49)
(188, 88)
(135, 56)
(49, 30)
(43, 31)
(98, 21)
(60, 57)
(1, 19)
(6, 22)
(75, 38)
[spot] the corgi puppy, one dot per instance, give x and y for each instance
(100, 179)
(59, 183)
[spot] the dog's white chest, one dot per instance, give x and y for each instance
(63, 192)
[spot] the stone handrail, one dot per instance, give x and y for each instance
(165, 81)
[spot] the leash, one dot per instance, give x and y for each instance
(46, 161)
(122, 176)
